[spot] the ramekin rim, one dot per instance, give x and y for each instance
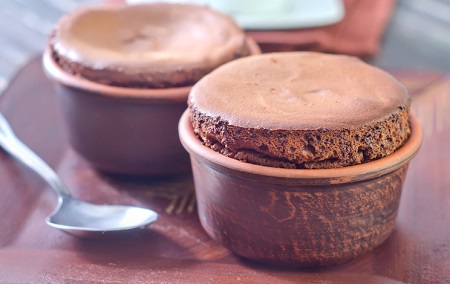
(353, 173)
(56, 73)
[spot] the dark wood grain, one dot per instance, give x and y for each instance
(176, 249)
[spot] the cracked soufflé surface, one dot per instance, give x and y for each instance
(300, 110)
(157, 45)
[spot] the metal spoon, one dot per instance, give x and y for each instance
(73, 215)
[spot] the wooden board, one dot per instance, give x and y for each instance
(175, 248)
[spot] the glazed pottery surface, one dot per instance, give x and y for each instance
(297, 217)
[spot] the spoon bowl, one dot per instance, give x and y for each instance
(98, 218)
(73, 215)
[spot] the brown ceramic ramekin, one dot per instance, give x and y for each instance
(297, 217)
(123, 130)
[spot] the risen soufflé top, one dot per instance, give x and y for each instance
(155, 45)
(301, 110)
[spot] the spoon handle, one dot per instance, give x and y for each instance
(16, 148)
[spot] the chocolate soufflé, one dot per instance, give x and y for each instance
(123, 74)
(301, 110)
(157, 45)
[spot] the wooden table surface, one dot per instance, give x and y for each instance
(175, 249)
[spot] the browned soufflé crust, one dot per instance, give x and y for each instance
(157, 45)
(301, 110)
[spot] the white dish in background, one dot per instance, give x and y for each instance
(198, 2)
(300, 14)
